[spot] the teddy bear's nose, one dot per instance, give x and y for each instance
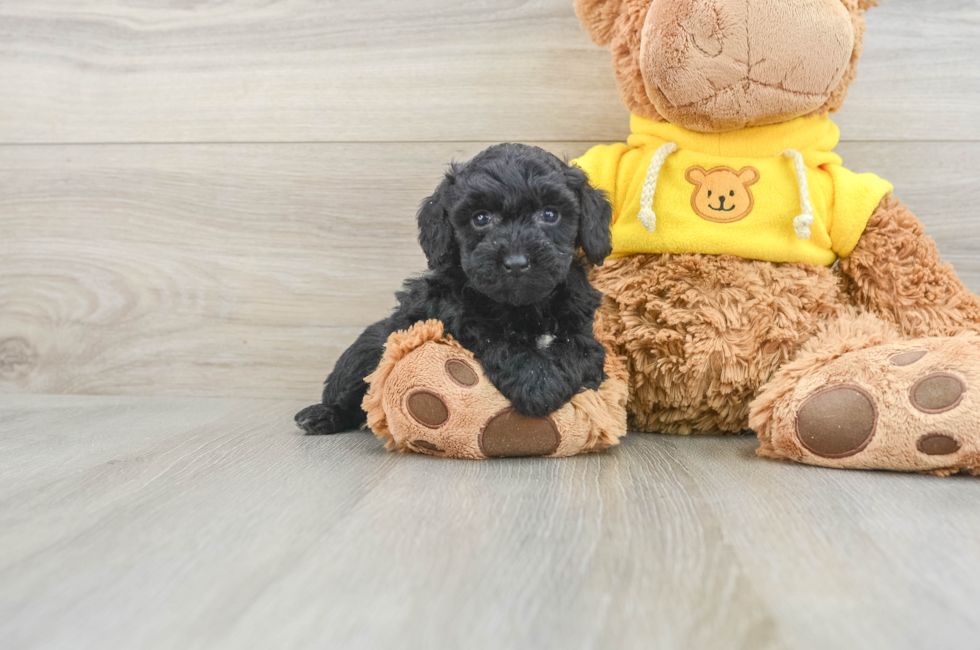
(516, 263)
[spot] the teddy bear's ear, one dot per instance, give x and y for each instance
(599, 17)
(696, 175)
(749, 176)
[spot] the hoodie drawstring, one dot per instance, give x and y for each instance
(803, 222)
(647, 216)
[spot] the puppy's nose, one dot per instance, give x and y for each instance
(516, 263)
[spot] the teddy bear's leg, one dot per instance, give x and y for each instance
(700, 334)
(429, 395)
(862, 396)
(896, 273)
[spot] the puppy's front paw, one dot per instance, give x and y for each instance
(539, 398)
(592, 380)
(593, 365)
(320, 419)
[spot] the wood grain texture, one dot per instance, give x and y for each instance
(209, 523)
(425, 70)
(245, 270)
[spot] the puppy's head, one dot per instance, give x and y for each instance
(512, 218)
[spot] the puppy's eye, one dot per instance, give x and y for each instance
(549, 216)
(482, 219)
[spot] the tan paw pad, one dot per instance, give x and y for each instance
(937, 444)
(461, 373)
(837, 422)
(510, 435)
(908, 358)
(427, 408)
(938, 393)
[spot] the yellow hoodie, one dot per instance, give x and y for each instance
(774, 193)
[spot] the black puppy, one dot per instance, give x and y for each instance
(500, 234)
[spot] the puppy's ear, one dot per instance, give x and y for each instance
(596, 215)
(436, 235)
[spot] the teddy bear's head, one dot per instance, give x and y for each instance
(719, 65)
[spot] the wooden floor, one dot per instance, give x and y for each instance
(211, 523)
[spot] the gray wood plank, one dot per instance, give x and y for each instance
(245, 270)
(296, 70)
(244, 534)
(919, 77)
(45, 440)
(848, 533)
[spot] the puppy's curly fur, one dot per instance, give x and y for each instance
(501, 234)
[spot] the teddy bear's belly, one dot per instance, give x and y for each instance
(702, 333)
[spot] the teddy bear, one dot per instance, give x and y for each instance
(756, 283)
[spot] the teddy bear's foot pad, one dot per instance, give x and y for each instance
(837, 422)
(911, 407)
(510, 434)
(430, 396)
(507, 434)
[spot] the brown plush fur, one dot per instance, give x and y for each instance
(852, 331)
(623, 37)
(599, 17)
(896, 272)
(619, 24)
(700, 333)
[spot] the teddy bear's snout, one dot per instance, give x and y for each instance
(714, 65)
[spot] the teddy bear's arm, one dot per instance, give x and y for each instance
(896, 272)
